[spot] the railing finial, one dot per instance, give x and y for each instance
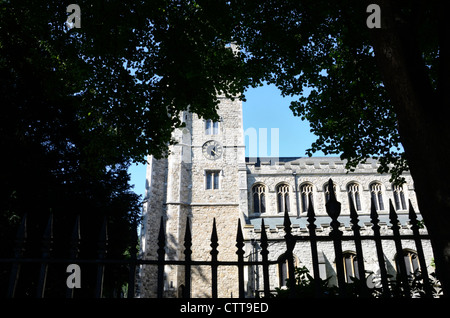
(333, 207)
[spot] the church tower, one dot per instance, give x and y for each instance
(204, 178)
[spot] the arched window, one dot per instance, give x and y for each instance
(350, 266)
(327, 191)
(306, 191)
(411, 262)
(376, 193)
(211, 127)
(283, 269)
(399, 197)
(259, 198)
(283, 198)
(354, 194)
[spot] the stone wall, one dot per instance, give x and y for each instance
(317, 171)
(177, 190)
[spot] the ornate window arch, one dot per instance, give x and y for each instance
(283, 200)
(283, 268)
(259, 198)
(376, 194)
(354, 194)
(306, 192)
(411, 262)
(350, 266)
(211, 127)
(399, 197)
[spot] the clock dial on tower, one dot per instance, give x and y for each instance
(212, 150)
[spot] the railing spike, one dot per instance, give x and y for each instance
(411, 213)
(264, 243)
(214, 237)
(287, 222)
(161, 256)
(240, 253)
(333, 207)
(214, 244)
(161, 237)
(310, 213)
(353, 213)
(374, 213)
(392, 214)
(187, 258)
(187, 236)
(239, 236)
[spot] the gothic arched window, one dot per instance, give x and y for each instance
(350, 266)
(376, 193)
(283, 268)
(306, 191)
(399, 197)
(411, 262)
(211, 127)
(283, 198)
(259, 198)
(354, 195)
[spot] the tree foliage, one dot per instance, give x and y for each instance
(327, 47)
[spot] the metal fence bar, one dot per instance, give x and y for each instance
(359, 251)
(265, 258)
(214, 263)
(314, 252)
(419, 249)
(333, 208)
(290, 244)
(398, 246)
(161, 262)
(379, 248)
(240, 253)
(187, 258)
(47, 242)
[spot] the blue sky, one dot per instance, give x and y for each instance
(264, 108)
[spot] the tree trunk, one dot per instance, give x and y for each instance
(422, 124)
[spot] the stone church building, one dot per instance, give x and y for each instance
(207, 176)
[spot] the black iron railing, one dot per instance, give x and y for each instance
(336, 236)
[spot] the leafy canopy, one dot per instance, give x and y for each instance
(133, 67)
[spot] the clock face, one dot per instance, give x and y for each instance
(212, 150)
